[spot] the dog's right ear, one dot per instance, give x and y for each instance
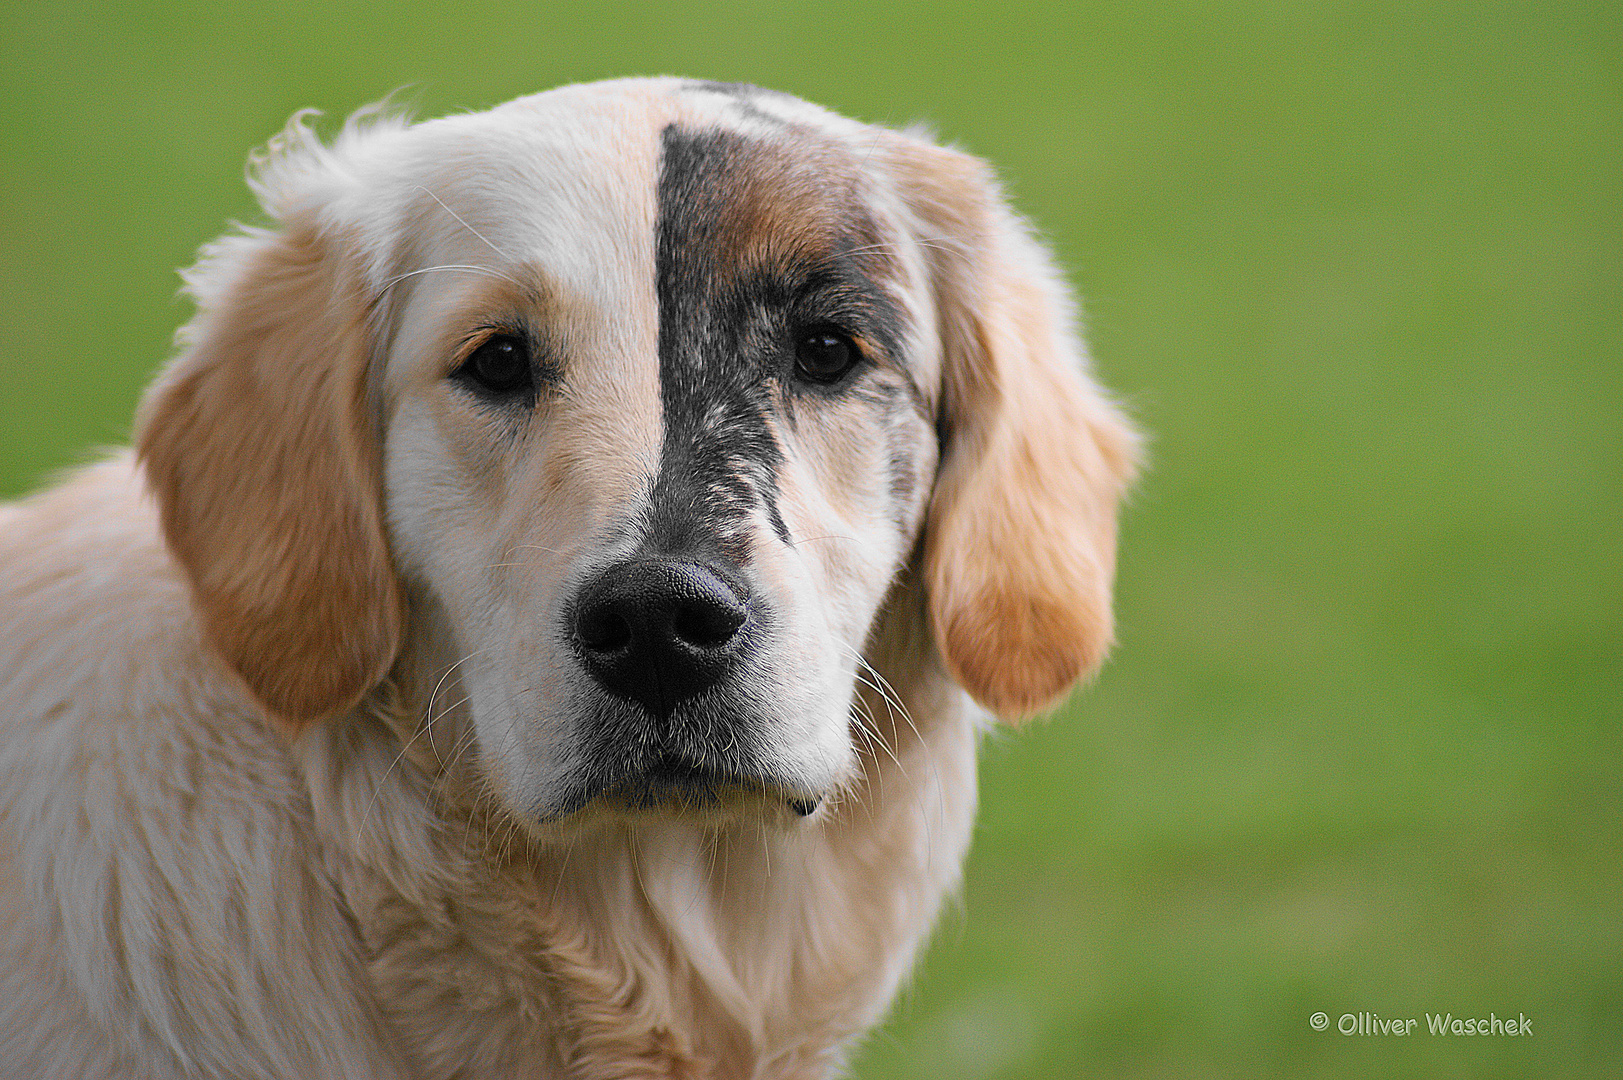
(260, 447)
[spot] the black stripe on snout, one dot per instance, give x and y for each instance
(720, 458)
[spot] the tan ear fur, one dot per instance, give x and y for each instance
(258, 444)
(1019, 552)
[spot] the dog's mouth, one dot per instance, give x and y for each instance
(673, 784)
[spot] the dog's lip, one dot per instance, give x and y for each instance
(803, 806)
(671, 778)
(668, 770)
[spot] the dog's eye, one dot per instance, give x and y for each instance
(823, 354)
(500, 367)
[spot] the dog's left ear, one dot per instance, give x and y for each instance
(1019, 552)
(259, 445)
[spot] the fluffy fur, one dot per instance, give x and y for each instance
(296, 776)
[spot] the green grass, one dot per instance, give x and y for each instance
(1356, 266)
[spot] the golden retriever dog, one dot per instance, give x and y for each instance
(545, 624)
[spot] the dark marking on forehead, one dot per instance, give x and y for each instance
(746, 97)
(758, 239)
(731, 89)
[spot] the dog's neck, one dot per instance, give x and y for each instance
(650, 948)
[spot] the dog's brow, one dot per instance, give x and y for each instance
(398, 278)
(461, 221)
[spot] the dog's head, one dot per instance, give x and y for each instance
(651, 390)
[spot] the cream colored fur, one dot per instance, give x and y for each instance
(263, 788)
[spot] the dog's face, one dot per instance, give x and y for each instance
(676, 428)
(650, 390)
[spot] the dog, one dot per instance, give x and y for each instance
(546, 621)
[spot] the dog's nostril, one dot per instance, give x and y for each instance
(602, 630)
(709, 622)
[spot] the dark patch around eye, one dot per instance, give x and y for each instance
(758, 247)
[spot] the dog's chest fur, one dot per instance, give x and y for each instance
(663, 951)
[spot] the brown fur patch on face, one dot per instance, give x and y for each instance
(780, 205)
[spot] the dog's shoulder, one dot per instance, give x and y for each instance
(101, 662)
(155, 843)
(87, 590)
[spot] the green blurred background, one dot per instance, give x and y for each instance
(1356, 266)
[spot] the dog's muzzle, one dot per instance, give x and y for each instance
(671, 639)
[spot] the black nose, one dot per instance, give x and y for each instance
(658, 631)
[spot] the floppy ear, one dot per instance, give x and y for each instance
(1020, 543)
(261, 451)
